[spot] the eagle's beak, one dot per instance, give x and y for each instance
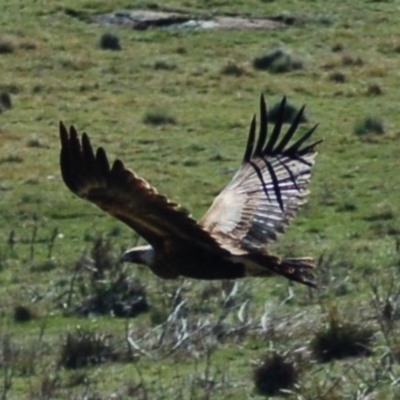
(130, 256)
(138, 255)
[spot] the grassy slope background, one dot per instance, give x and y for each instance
(55, 71)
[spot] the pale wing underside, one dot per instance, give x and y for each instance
(266, 192)
(124, 195)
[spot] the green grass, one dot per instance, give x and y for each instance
(54, 69)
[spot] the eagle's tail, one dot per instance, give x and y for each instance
(296, 269)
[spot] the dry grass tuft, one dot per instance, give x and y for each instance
(352, 61)
(341, 339)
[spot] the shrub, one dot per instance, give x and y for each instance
(84, 348)
(108, 41)
(337, 47)
(27, 45)
(370, 124)
(181, 50)
(6, 46)
(277, 61)
(121, 297)
(341, 339)
(23, 314)
(37, 143)
(374, 90)
(5, 100)
(164, 65)
(338, 77)
(231, 68)
(105, 286)
(350, 61)
(12, 158)
(158, 117)
(274, 374)
(289, 113)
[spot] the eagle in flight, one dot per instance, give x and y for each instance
(230, 240)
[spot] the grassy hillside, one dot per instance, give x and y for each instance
(59, 272)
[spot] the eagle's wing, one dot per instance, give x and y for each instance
(267, 190)
(120, 192)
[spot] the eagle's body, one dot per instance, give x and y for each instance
(184, 260)
(229, 241)
(192, 261)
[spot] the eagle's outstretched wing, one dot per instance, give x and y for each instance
(121, 193)
(267, 190)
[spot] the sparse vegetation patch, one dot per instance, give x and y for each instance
(232, 68)
(277, 61)
(83, 348)
(164, 65)
(370, 124)
(101, 285)
(158, 117)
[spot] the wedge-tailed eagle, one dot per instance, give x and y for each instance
(230, 240)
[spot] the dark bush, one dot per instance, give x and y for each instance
(158, 117)
(231, 68)
(277, 61)
(109, 41)
(5, 100)
(274, 374)
(6, 47)
(341, 339)
(337, 47)
(338, 77)
(374, 90)
(23, 314)
(84, 348)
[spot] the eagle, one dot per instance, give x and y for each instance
(229, 241)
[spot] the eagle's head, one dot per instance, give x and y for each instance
(139, 255)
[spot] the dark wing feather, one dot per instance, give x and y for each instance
(267, 190)
(124, 195)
